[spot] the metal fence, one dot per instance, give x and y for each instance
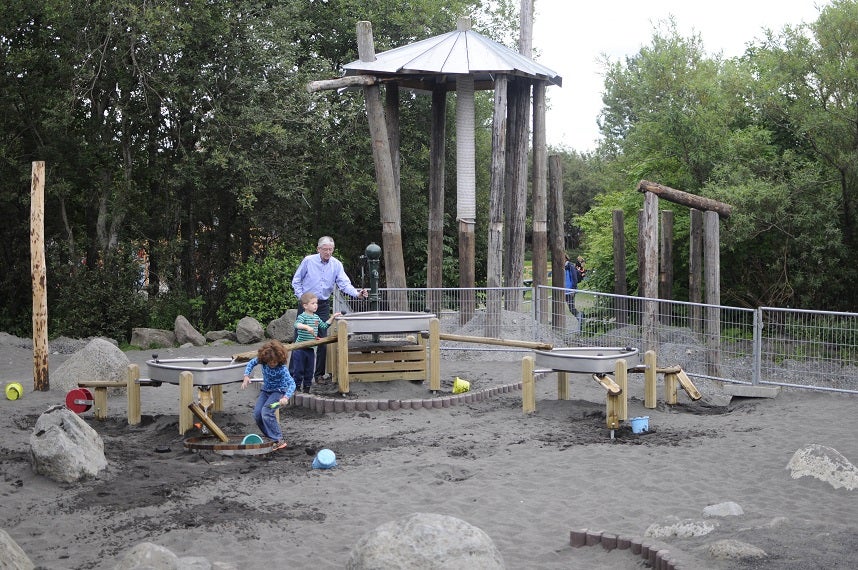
(788, 347)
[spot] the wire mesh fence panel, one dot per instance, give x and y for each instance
(667, 327)
(810, 349)
(788, 347)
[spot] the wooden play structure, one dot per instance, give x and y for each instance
(616, 388)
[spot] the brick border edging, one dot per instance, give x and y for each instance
(658, 558)
(325, 405)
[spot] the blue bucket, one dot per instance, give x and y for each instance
(325, 459)
(640, 424)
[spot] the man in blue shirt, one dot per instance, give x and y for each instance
(320, 273)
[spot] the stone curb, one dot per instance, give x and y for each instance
(327, 405)
(658, 558)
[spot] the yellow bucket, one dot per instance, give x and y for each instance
(14, 390)
(460, 386)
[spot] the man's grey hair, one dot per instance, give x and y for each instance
(325, 240)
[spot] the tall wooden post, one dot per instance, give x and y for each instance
(540, 195)
(712, 270)
(434, 272)
(494, 258)
(558, 239)
(695, 269)
(38, 274)
(391, 230)
(665, 267)
(620, 287)
(650, 277)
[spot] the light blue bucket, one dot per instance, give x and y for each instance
(325, 459)
(640, 424)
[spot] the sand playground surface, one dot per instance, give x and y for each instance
(528, 481)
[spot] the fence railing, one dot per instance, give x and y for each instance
(788, 347)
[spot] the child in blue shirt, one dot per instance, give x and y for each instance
(277, 387)
(307, 327)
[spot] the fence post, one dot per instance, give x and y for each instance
(758, 346)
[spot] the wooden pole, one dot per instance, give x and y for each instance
(516, 213)
(665, 267)
(620, 287)
(434, 354)
(558, 241)
(621, 371)
(712, 271)
(186, 398)
(434, 274)
(650, 377)
(494, 258)
(650, 277)
(391, 231)
(132, 389)
(539, 257)
(695, 269)
(38, 274)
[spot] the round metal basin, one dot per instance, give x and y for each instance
(387, 322)
(206, 371)
(588, 359)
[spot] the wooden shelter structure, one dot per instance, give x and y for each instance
(462, 61)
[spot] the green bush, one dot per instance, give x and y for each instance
(96, 301)
(260, 288)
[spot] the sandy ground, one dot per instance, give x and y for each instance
(526, 480)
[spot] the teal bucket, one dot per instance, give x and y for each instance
(640, 424)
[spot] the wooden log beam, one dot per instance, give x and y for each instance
(496, 341)
(342, 82)
(250, 354)
(691, 200)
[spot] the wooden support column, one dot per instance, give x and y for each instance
(562, 385)
(671, 383)
(186, 398)
(132, 390)
(434, 354)
(650, 377)
(343, 356)
(621, 372)
(528, 392)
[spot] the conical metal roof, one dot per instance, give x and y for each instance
(462, 52)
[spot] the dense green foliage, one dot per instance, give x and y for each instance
(260, 288)
(185, 131)
(772, 133)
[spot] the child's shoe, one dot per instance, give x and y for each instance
(280, 445)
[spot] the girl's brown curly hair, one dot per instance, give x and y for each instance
(273, 353)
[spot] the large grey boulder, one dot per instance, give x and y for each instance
(186, 333)
(99, 360)
(65, 448)
(425, 541)
(249, 331)
(213, 336)
(824, 463)
(11, 555)
(283, 329)
(152, 338)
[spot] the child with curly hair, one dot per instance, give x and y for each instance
(277, 387)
